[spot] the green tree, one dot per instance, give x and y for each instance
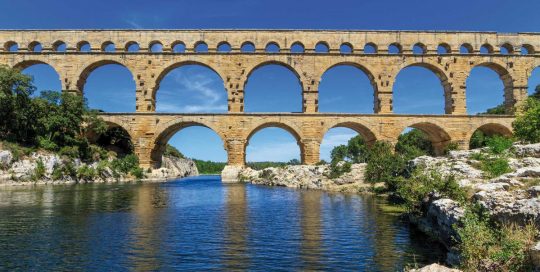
(527, 123)
(414, 143)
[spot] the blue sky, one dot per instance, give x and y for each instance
(343, 89)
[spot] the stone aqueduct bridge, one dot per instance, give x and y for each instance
(150, 131)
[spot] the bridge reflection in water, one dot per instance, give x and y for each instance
(201, 224)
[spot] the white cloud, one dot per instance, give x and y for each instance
(200, 87)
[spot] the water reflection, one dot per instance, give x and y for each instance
(200, 224)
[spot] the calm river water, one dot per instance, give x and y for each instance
(201, 224)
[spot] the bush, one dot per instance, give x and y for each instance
(486, 246)
(498, 144)
(338, 168)
(66, 169)
(127, 165)
(86, 173)
(39, 171)
(172, 151)
(495, 167)
(451, 147)
(70, 151)
(384, 165)
(47, 144)
(413, 190)
(414, 140)
(527, 123)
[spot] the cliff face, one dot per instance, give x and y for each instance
(42, 168)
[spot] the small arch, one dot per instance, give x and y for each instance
(59, 46)
(272, 47)
(11, 46)
(201, 47)
(419, 49)
(478, 137)
(370, 48)
(443, 49)
(224, 47)
(395, 48)
(297, 47)
(486, 49)
(438, 136)
(466, 48)
(44, 76)
(108, 46)
(507, 49)
(322, 47)
(84, 46)
(155, 47)
(35, 47)
(132, 47)
(527, 49)
(247, 47)
(178, 47)
(346, 48)
(93, 66)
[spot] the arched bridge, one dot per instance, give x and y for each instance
(74, 54)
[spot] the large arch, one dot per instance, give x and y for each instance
(439, 73)
(477, 137)
(176, 65)
(352, 76)
(281, 126)
(507, 80)
(45, 77)
(272, 67)
(191, 88)
(166, 131)
(362, 130)
(340, 134)
(439, 137)
(119, 97)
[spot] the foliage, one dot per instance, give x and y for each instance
(39, 171)
(486, 246)
(495, 166)
(356, 151)
(499, 109)
(411, 191)
(66, 169)
(415, 143)
(116, 139)
(86, 173)
(498, 144)
(171, 151)
(339, 168)
(209, 167)
(450, 147)
(527, 123)
(384, 165)
(127, 165)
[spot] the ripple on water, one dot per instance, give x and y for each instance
(200, 224)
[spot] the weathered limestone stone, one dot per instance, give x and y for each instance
(435, 268)
(150, 131)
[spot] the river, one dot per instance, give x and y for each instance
(199, 223)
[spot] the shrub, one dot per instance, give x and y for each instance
(487, 246)
(86, 173)
(39, 171)
(498, 144)
(527, 123)
(338, 168)
(384, 165)
(70, 151)
(412, 191)
(414, 140)
(495, 167)
(47, 144)
(127, 165)
(451, 147)
(172, 151)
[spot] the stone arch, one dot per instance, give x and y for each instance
(177, 43)
(223, 44)
(155, 43)
(397, 47)
(439, 137)
(529, 49)
(270, 44)
(165, 131)
(506, 78)
(440, 73)
(508, 47)
(175, 65)
(346, 48)
(9, 44)
(466, 48)
(295, 132)
(129, 44)
(494, 128)
(32, 47)
(27, 63)
(56, 45)
(299, 47)
(324, 47)
(106, 44)
(102, 139)
(420, 48)
(371, 46)
(359, 66)
(203, 44)
(245, 44)
(81, 44)
(486, 49)
(83, 75)
(367, 134)
(444, 48)
(273, 62)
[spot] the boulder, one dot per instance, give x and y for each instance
(528, 150)
(439, 219)
(435, 268)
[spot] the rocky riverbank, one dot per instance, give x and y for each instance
(48, 168)
(301, 176)
(510, 198)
